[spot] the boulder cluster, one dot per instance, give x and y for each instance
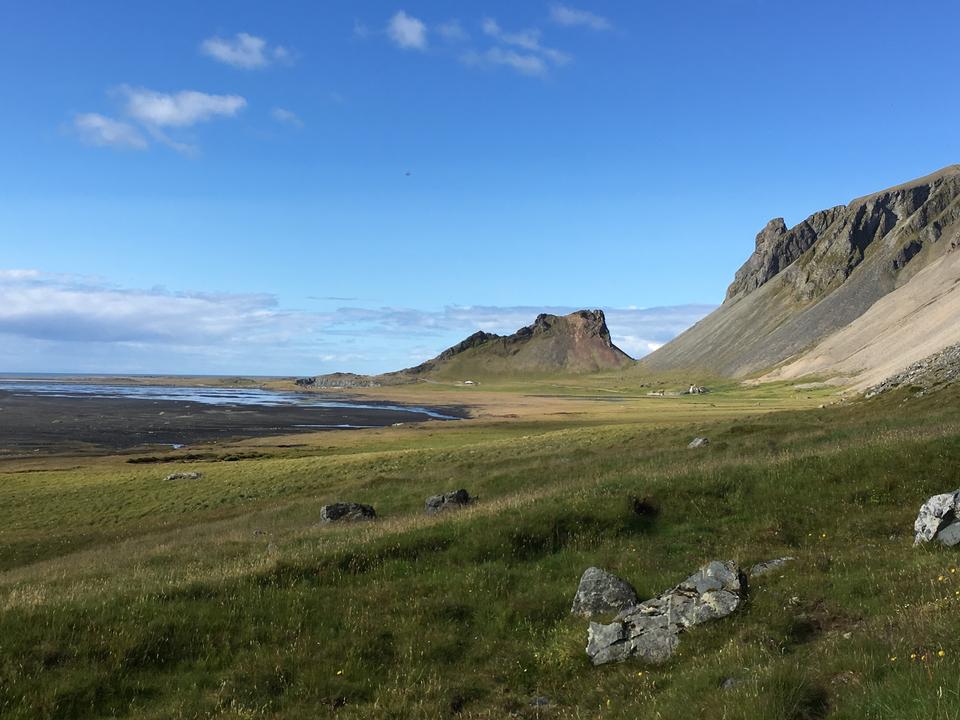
(930, 373)
(353, 511)
(650, 630)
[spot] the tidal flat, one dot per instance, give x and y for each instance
(94, 417)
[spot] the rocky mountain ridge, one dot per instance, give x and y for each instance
(804, 283)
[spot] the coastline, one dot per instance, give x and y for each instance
(51, 424)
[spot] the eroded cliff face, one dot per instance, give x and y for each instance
(803, 283)
(777, 248)
(820, 253)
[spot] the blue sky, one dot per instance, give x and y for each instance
(223, 187)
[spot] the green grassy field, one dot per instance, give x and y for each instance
(123, 595)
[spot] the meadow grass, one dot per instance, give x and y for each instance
(125, 595)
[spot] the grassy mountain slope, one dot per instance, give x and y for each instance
(802, 284)
(553, 345)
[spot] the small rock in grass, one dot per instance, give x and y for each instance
(448, 501)
(602, 592)
(184, 476)
(762, 568)
(698, 442)
(346, 512)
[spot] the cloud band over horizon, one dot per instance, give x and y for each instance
(66, 323)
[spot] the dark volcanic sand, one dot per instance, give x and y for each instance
(63, 424)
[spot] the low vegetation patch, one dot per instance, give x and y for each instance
(122, 595)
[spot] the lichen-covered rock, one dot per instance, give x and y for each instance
(653, 641)
(698, 442)
(448, 501)
(602, 592)
(937, 519)
(651, 629)
(346, 512)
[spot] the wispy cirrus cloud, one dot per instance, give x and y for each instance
(572, 17)
(96, 129)
(452, 31)
(522, 51)
(407, 32)
(523, 63)
(287, 117)
(244, 51)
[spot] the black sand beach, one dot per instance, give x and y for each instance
(52, 424)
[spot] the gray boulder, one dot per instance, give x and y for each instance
(602, 592)
(184, 476)
(698, 442)
(651, 629)
(937, 519)
(762, 568)
(346, 512)
(448, 501)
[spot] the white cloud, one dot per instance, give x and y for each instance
(526, 39)
(535, 58)
(244, 51)
(181, 109)
(525, 63)
(14, 274)
(637, 331)
(407, 32)
(452, 31)
(53, 322)
(96, 129)
(571, 17)
(71, 308)
(288, 117)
